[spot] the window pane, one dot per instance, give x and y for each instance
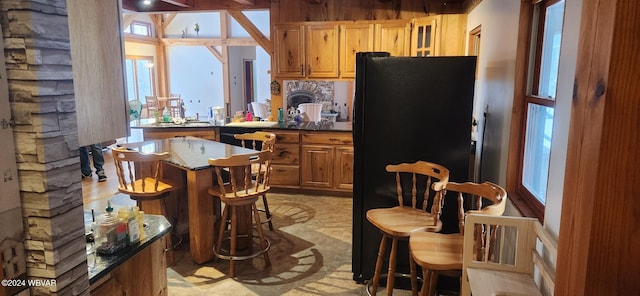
(141, 29)
(143, 79)
(420, 33)
(535, 172)
(551, 50)
(131, 86)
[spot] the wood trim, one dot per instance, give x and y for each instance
(242, 19)
(210, 41)
(226, 76)
(516, 133)
(597, 247)
(181, 3)
(215, 53)
(246, 2)
(168, 18)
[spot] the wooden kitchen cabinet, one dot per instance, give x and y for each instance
(289, 45)
(343, 166)
(285, 166)
(393, 37)
(317, 163)
(354, 38)
(327, 161)
(309, 50)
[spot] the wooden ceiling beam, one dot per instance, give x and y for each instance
(246, 2)
(181, 3)
(194, 5)
(253, 31)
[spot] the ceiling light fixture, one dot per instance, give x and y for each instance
(146, 2)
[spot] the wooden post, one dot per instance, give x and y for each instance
(598, 243)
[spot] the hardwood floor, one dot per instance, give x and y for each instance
(96, 194)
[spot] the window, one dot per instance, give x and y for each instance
(139, 28)
(139, 77)
(536, 105)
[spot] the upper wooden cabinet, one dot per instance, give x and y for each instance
(328, 49)
(354, 38)
(440, 35)
(307, 51)
(289, 50)
(423, 36)
(393, 37)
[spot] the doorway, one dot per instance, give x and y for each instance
(248, 82)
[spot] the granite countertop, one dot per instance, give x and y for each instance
(99, 265)
(305, 126)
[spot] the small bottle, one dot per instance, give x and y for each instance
(249, 116)
(166, 116)
(280, 116)
(344, 112)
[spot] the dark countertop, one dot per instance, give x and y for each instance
(304, 126)
(155, 227)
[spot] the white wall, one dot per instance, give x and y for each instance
(499, 20)
(494, 87)
(237, 54)
(196, 75)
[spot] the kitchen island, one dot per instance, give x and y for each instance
(139, 269)
(307, 156)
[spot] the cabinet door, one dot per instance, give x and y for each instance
(393, 37)
(317, 166)
(289, 50)
(321, 51)
(343, 166)
(423, 37)
(353, 38)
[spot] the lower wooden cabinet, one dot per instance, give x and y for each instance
(317, 164)
(285, 167)
(343, 168)
(143, 274)
(327, 161)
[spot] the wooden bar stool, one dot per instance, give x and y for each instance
(239, 195)
(439, 253)
(139, 177)
(401, 221)
(260, 141)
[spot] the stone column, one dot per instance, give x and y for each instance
(38, 63)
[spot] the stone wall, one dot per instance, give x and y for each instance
(38, 63)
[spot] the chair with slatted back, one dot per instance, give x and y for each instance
(175, 107)
(260, 141)
(239, 194)
(423, 183)
(139, 176)
(441, 254)
(151, 104)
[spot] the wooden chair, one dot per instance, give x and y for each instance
(439, 253)
(139, 177)
(239, 195)
(260, 141)
(517, 261)
(175, 106)
(152, 106)
(401, 221)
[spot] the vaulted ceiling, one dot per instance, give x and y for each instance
(198, 5)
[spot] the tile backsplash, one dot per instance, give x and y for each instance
(333, 95)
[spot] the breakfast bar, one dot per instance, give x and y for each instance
(188, 165)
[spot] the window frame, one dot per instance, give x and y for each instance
(135, 70)
(528, 64)
(139, 23)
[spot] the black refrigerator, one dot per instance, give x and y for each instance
(406, 109)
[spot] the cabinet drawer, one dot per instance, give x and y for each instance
(328, 138)
(286, 154)
(286, 137)
(285, 175)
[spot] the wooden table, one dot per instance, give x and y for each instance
(189, 166)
